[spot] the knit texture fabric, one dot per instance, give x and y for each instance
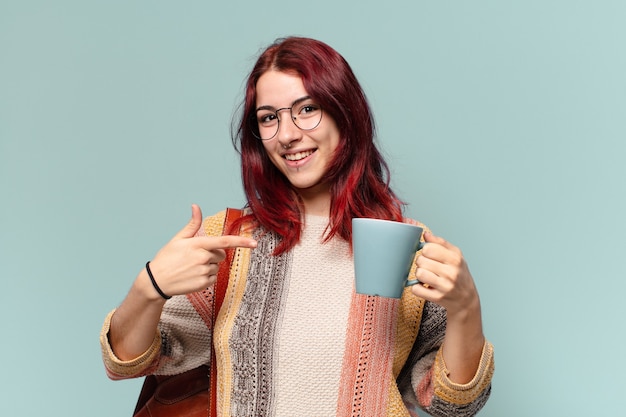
(312, 332)
(293, 338)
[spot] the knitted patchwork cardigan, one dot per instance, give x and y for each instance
(343, 354)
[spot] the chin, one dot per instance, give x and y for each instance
(310, 186)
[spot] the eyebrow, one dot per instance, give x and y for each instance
(267, 107)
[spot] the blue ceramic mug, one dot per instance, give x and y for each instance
(383, 254)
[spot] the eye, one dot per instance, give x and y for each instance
(308, 110)
(266, 118)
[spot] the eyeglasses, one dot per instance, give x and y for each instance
(305, 114)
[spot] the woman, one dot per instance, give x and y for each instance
(292, 337)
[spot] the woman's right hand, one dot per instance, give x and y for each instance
(188, 262)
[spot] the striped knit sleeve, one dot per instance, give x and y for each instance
(423, 381)
(475, 392)
(119, 369)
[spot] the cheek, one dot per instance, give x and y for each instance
(334, 137)
(273, 156)
(275, 160)
(267, 149)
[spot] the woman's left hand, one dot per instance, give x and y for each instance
(445, 277)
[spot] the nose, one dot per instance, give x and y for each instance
(288, 132)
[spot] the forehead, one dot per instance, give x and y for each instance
(279, 89)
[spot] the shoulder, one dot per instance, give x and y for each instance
(214, 225)
(416, 223)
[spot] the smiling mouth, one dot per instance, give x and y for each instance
(297, 156)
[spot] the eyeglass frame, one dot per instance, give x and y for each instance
(255, 121)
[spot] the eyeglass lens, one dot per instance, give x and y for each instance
(306, 115)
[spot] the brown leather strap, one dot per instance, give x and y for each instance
(219, 293)
(185, 394)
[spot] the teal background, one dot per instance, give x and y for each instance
(503, 122)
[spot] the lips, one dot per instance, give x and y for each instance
(298, 155)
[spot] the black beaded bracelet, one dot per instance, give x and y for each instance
(156, 287)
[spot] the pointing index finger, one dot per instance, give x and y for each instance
(226, 242)
(233, 241)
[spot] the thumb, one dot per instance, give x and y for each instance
(430, 238)
(194, 224)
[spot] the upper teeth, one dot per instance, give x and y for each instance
(297, 156)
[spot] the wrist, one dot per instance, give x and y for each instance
(154, 283)
(466, 321)
(469, 311)
(144, 288)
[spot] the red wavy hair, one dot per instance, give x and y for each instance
(358, 174)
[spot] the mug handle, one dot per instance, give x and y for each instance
(410, 282)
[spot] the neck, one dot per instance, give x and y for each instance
(316, 200)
